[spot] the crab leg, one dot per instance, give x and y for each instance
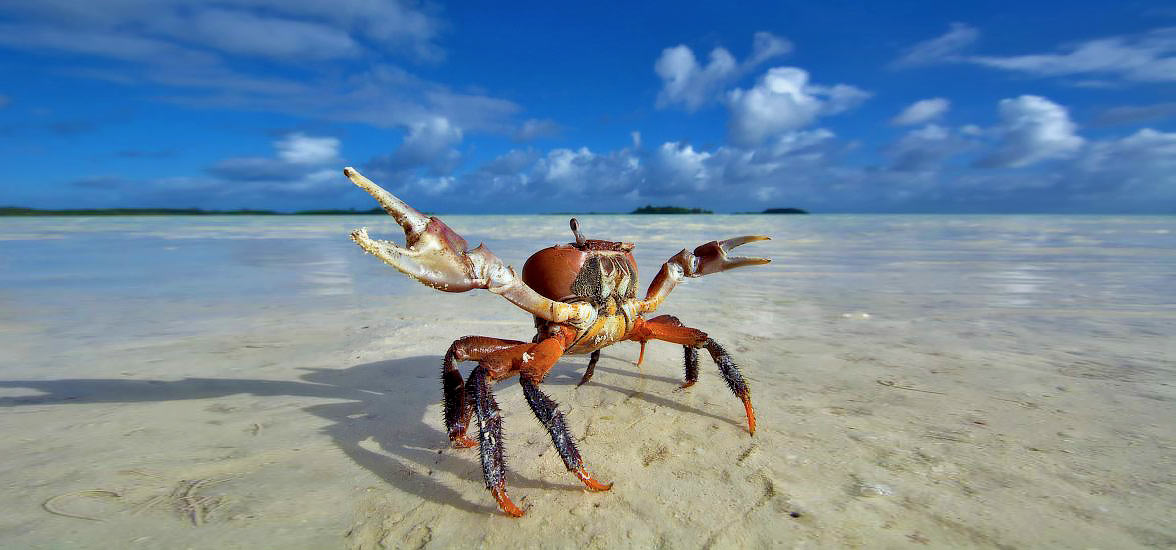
(642, 336)
(548, 414)
(669, 329)
(592, 359)
(706, 259)
(733, 378)
(490, 439)
(457, 408)
(438, 257)
(690, 361)
(531, 362)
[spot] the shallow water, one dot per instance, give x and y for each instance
(1008, 338)
(117, 277)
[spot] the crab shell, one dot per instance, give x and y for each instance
(554, 271)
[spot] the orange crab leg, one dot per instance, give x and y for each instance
(505, 504)
(457, 406)
(669, 329)
(590, 481)
(750, 412)
(641, 356)
(531, 362)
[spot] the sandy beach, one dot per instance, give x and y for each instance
(938, 381)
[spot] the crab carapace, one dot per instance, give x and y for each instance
(583, 296)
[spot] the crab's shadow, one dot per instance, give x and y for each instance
(378, 402)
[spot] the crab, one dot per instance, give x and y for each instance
(583, 296)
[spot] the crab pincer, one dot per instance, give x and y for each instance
(712, 257)
(435, 254)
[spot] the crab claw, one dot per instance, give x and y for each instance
(434, 254)
(712, 257)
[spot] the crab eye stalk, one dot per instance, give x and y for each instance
(580, 240)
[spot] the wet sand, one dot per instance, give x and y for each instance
(947, 382)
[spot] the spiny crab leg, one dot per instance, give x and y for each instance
(709, 258)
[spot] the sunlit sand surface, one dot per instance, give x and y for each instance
(975, 381)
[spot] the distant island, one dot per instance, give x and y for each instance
(21, 211)
(591, 213)
(332, 212)
(651, 209)
(785, 211)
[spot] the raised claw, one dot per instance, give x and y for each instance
(435, 254)
(709, 258)
(413, 222)
(712, 257)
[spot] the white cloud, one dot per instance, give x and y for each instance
(322, 181)
(243, 26)
(533, 129)
(921, 111)
(1139, 169)
(945, 47)
(102, 43)
(924, 149)
(765, 46)
(1031, 129)
(840, 97)
(299, 148)
(806, 168)
(765, 194)
(296, 155)
(240, 32)
(783, 100)
(582, 172)
(1146, 57)
(253, 169)
(1150, 57)
(777, 103)
(429, 144)
(686, 82)
(436, 185)
(799, 168)
(805, 142)
(677, 167)
(1134, 114)
(791, 159)
(295, 51)
(428, 139)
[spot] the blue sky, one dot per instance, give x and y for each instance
(830, 106)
